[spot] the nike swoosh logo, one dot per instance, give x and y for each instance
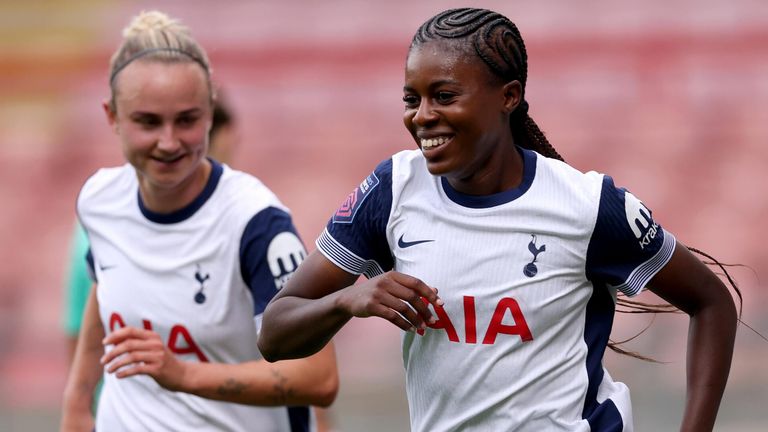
(106, 267)
(406, 244)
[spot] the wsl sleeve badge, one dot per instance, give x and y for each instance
(346, 213)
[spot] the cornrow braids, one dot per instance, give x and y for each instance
(497, 41)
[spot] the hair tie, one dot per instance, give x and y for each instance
(142, 53)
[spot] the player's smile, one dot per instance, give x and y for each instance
(457, 112)
(163, 115)
(166, 169)
(433, 143)
(168, 162)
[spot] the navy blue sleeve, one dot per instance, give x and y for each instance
(270, 251)
(91, 265)
(627, 247)
(355, 238)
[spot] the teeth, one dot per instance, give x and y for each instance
(433, 142)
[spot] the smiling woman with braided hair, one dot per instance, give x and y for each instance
(528, 255)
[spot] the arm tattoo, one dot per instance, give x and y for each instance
(231, 387)
(282, 391)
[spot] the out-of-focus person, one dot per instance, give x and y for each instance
(186, 253)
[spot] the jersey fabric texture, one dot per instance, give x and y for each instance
(528, 277)
(201, 278)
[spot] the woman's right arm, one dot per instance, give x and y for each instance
(320, 298)
(86, 371)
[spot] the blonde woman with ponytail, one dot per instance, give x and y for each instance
(185, 253)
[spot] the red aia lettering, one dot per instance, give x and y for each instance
(177, 331)
(443, 322)
(114, 320)
(495, 327)
(191, 348)
(519, 328)
(470, 320)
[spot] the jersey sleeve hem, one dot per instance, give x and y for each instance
(344, 259)
(640, 276)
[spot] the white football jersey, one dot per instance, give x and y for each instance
(529, 279)
(201, 278)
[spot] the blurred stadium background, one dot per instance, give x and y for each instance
(670, 97)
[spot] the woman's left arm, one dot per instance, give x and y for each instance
(309, 381)
(692, 287)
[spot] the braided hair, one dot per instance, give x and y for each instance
(498, 43)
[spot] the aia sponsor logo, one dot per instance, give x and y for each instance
(640, 221)
(346, 213)
(180, 340)
(507, 319)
